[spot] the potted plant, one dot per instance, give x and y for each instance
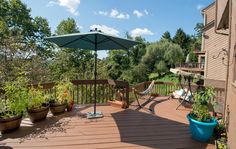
(37, 106)
(13, 108)
(220, 135)
(201, 122)
(59, 104)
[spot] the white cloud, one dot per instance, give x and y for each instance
(200, 7)
(116, 14)
(140, 32)
(105, 29)
(138, 13)
(146, 12)
(104, 13)
(70, 5)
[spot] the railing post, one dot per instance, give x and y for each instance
(127, 94)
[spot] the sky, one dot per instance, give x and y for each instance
(146, 18)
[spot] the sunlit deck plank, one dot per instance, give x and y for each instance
(166, 128)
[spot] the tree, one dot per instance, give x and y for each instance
(22, 39)
(166, 35)
(136, 53)
(160, 56)
(67, 26)
(117, 63)
(183, 40)
(199, 29)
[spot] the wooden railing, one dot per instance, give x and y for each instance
(190, 65)
(83, 90)
(166, 88)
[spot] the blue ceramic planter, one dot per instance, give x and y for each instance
(201, 131)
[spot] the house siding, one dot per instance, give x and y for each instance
(209, 14)
(230, 111)
(213, 43)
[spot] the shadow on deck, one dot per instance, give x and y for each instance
(165, 128)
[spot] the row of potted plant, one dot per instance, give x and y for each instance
(22, 99)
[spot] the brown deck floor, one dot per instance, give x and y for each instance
(165, 128)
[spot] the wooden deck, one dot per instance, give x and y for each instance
(166, 128)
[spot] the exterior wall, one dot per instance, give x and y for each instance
(231, 90)
(215, 83)
(213, 43)
(209, 14)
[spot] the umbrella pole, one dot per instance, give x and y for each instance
(95, 79)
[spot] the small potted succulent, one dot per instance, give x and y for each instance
(14, 106)
(37, 106)
(59, 104)
(201, 122)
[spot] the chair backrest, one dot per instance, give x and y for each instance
(150, 88)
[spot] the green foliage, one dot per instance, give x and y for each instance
(192, 57)
(220, 130)
(63, 91)
(136, 53)
(136, 74)
(22, 39)
(36, 98)
(200, 110)
(199, 29)
(117, 63)
(166, 36)
(183, 40)
(67, 26)
(169, 77)
(167, 52)
(17, 95)
(161, 68)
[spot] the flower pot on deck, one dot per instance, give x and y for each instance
(36, 115)
(9, 124)
(57, 108)
(201, 131)
(117, 104)
(69, 106)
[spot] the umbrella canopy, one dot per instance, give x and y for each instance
(92, 41)
(95, 40)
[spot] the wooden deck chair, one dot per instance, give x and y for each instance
(144, 93)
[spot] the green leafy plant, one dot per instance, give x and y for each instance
(221, 135)
(200, 110)
(36, 98)
(63, 91)
(17, 94)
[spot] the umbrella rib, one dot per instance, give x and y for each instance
(84, 36)
(115, 42)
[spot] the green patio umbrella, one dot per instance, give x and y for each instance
(94, 40)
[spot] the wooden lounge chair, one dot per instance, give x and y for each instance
(145, 93)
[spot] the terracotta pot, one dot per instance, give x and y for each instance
(57, 108)
(69, 106)
(36, 115)
(9, 124)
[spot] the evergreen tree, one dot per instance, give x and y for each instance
(166, 35)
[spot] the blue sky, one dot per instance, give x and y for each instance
(148, 18)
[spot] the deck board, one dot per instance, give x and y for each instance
(165, 128)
